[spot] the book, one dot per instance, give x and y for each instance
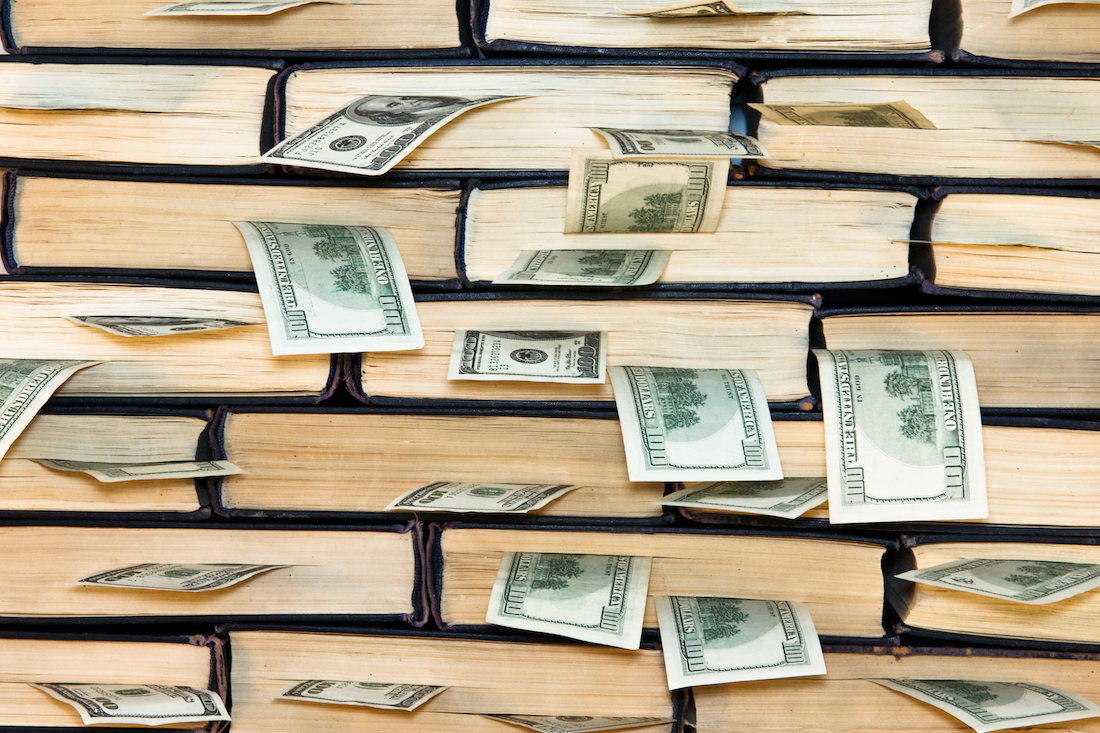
(91, 433)
(482, 676)
(195, 661)
(837, 576)
(770, 237)
(1038, 475)
(1018, 240)
(324, 574)
(1034, 357)
(990, 124)
(764, 333)
(198, 366)
(1056, 33)
(182, 226)
(393, 28)
(854, 28)
(371, 457)
(929, 610)
(563, 102)
(86, 113)
(846, 695)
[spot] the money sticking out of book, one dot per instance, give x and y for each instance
(157, 325)
(25, 386)
(712, 9)
(479, 497)
(788, 498)
(595, 598)
(529, 356)
(591, 267)
(1023, 581)
(576, 723)
(695, 424)
(185, 577)
(114, 471)
(373, 133)
(330, 288)
(648, 144)
(137, 704)
(645, 196)
(710, 641)
(903, 436)
(884, 114)
(228, 7)
(384, 695)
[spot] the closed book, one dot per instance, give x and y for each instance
(979, 126)
(770, 237)
(1055, 34)
(846, 698)
(341, 574)
(931, 611)
(1033, 357)
(99, 434)
(196, 661)
(391, 28)
(66, 113)
(373, 456)
(564, 100)
(838, 576)
(766, 333)
(183, 226)
(899, 30)
(483, 675)
(203, 367)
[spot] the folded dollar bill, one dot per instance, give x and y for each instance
(110, 473)
(373, 133)
(479, 498)
(25, 385)
(718, 8)
(590, 267)
(609, 195)
(229, 7)
(789, 498)
(328, 288)
(186, 577)
(575, 723)
(645, 144)
(695, 424)
(988, 706)
(903, 436)
(136, 704)
(529, 356)
(886, 114)
(709, 641)
(390, 696)
(596, 598)
(1024, 581)
(162, 325)
(1022, 6)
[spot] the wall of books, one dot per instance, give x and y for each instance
(671, 366)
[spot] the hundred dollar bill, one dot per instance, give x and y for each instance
(137, 704)
(789, 498)
(695, 424)
(186, 577)
(25, 386)
(529, 356)
(988, 706)
(480, 498)
(710, 641)
(157, 325)
(391, 696)
(575, 723)
(595, 598)
(1024, 581)
(1022, 6)
(886, 114)
(328, 288)
(373, 133)
(903, 436)
(229, 7)
(702, 9)
(591, 267)
(645, 144)
(608, 195)
(110, 473)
